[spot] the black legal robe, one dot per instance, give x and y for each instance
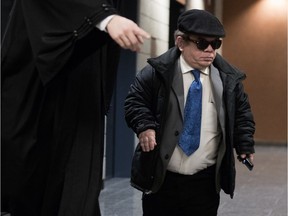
(58, 70)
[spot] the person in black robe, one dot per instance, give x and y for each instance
(58, 71)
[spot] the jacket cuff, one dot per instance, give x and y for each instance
(144, 127)
(244, 150)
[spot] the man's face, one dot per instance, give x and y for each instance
(195, 52)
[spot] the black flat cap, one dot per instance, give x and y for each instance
(200, 22)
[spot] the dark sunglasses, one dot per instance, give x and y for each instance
(202, 44)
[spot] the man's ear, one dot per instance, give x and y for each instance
(180, 42)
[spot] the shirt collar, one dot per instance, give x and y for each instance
(185, 68)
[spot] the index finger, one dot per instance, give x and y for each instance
(141, 33)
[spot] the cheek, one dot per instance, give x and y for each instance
(192, 57)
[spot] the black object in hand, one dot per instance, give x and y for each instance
(246, 162)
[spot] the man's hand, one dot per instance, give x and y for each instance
(249, 156)
(147, 140)
(126, 33)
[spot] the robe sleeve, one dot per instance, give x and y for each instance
(54, 26)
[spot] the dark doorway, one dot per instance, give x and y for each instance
(176, 9)
(120, 138)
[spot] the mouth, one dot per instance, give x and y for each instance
(207, 59)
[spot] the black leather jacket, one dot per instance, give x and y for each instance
(147, 100)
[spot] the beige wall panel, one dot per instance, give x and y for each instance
(256, 42)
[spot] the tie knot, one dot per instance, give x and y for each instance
(196, 74)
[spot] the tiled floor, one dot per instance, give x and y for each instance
(262, 192)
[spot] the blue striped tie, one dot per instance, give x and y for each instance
(190, 138)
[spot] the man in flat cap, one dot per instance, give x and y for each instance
(189, 109)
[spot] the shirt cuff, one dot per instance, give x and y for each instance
(102, 25)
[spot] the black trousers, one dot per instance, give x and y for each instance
(183, 195)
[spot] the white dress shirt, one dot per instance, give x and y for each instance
(102, 25)
(206, 154)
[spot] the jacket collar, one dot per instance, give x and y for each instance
(166, 61)
(165, 65)
(225, 68)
